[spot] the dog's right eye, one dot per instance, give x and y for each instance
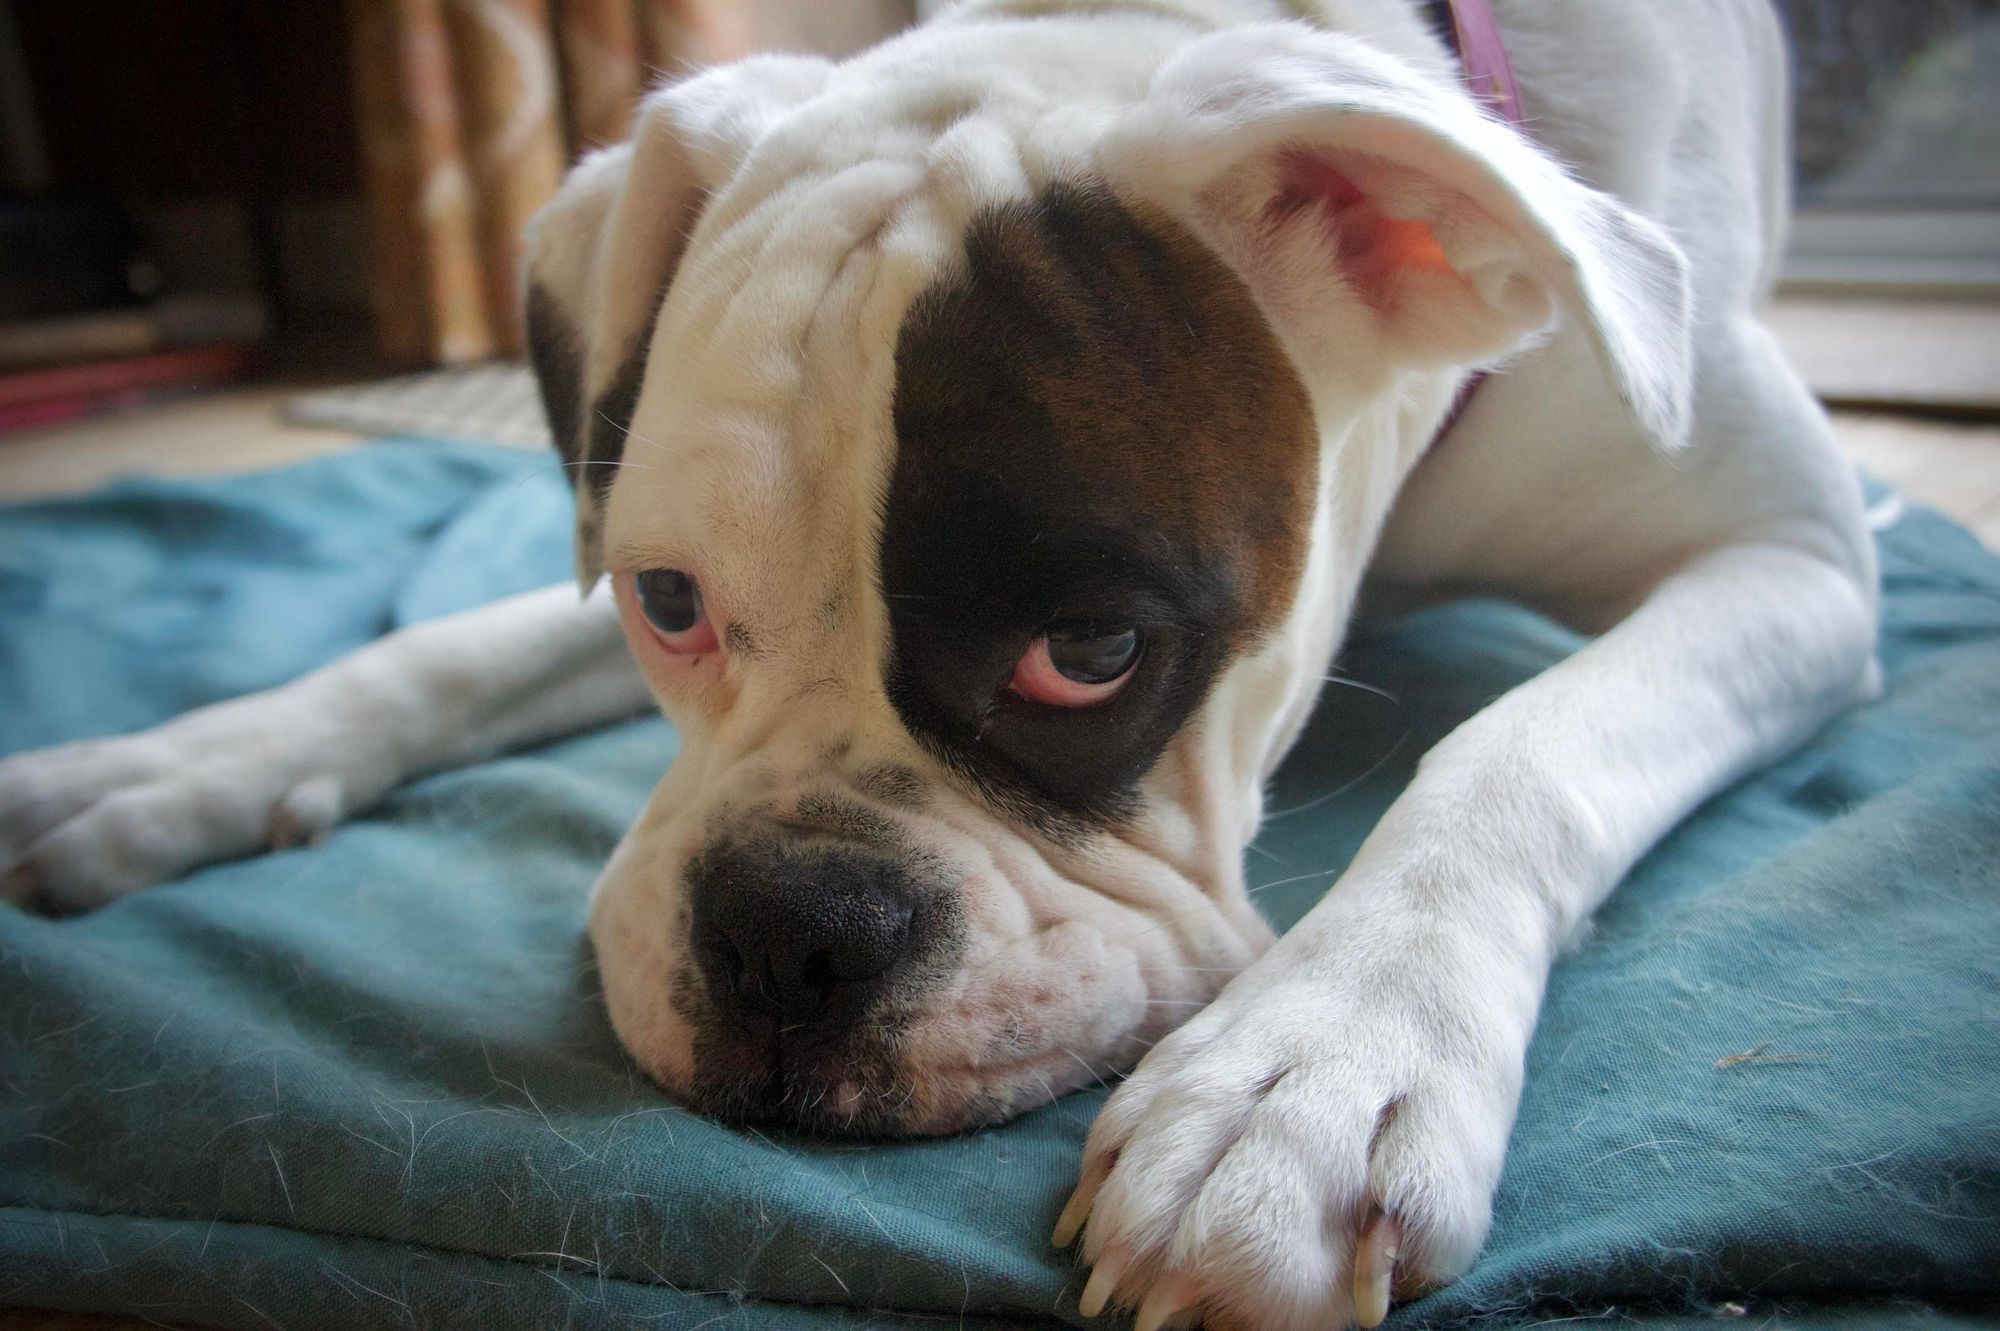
(1077, 666)
(671, 602)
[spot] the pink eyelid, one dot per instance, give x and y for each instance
(1037, 679)
(696, 641)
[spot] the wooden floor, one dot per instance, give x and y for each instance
(1953, 467)
(232, 430)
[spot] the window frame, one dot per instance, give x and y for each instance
(1894, 250)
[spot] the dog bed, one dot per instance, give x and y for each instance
(369, 1084)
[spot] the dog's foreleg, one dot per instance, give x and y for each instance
(87, 822)
(1336, 1120)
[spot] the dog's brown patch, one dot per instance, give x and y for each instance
(1093, 420)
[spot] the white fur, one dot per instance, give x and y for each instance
(1645, 466)
(85, 823)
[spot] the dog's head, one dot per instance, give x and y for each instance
(983, 439)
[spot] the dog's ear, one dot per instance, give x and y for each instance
(603, 252)
(1367, 205)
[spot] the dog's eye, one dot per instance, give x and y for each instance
(671, 602)
(1077, 665)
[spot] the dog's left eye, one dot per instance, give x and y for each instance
(1077, 665)
(671, 602)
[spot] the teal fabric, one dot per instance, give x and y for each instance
(370, 1085)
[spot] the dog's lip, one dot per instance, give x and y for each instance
(929, 1100)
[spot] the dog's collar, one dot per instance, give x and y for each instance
(1482, 52)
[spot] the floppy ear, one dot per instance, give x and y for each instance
(603, 252)
(1364, 202)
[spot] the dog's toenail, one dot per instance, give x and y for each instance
(1163, 1307)
(1103, 1282)
(1077, 1210)
(1374, 1267)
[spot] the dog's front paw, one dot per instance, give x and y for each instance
(1313, 1144)
(83, 824)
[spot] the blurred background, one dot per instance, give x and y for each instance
(231, 229)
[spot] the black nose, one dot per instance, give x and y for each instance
(799, 930)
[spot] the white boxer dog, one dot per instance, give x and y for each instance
(985, 439)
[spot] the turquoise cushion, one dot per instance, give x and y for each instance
(370, 1084)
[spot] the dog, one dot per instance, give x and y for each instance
(985, 439)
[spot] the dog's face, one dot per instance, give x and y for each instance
(983, 484)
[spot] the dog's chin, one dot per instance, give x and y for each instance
(871, 1095)
(865, 1088)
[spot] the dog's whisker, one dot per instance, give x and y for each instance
(606, 462)
(1166, 919)
(1295, 878)
(1332, 795)
(1085, 1065)
(1348, 682)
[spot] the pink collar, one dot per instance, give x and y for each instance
(1483, 52)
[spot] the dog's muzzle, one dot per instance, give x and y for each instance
(812, 956)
